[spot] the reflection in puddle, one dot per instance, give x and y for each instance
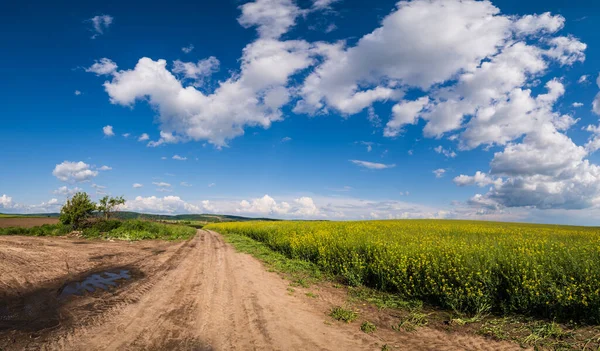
(95, 281)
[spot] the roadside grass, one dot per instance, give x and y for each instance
(382, 299)
(131, 230)
(299, 272)
(368, 327)
(189, 223)
(43, 230)
(143, 230)
(412, 314)
(343, 314)
(415, 319)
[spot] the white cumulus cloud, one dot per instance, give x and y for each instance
(74, 172)
(6, 201)
(108, 131)
(167, 205)
(266, 205)
(196, 72)
(271, 17)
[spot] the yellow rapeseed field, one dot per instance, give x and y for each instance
(469, 266)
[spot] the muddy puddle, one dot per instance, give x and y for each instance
(99, 281)
(41, 309)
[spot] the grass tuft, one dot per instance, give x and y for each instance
(414, 320)
(368, 327)
(341, 314)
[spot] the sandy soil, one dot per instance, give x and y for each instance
(195, 295)
(26, 222)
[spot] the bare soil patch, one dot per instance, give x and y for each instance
(26, 222)
(200, 294)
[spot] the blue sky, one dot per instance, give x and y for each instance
(305, 109)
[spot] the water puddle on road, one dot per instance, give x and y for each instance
(103, 281)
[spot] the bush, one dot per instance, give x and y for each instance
(91, 233)
(77, 210)
(104, 226)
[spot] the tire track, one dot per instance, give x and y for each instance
(207, 296)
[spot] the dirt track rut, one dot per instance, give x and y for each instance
(203, 295)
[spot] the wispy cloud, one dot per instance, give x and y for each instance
(446, 152)
(372, 165)
(439, 172)
(342, 189)
(100, 24)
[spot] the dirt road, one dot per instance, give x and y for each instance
(196, 295)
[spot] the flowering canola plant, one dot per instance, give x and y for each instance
(468, 266)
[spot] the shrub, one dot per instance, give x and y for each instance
(104, 226)
(77, 210)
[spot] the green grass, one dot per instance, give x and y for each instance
(342, 314)
(300, 272)
(414, 320)
(43, 230)
(368, 327)
(143, 230)
(123, 230)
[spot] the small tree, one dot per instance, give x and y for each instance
(107, 205)
(77, 209)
